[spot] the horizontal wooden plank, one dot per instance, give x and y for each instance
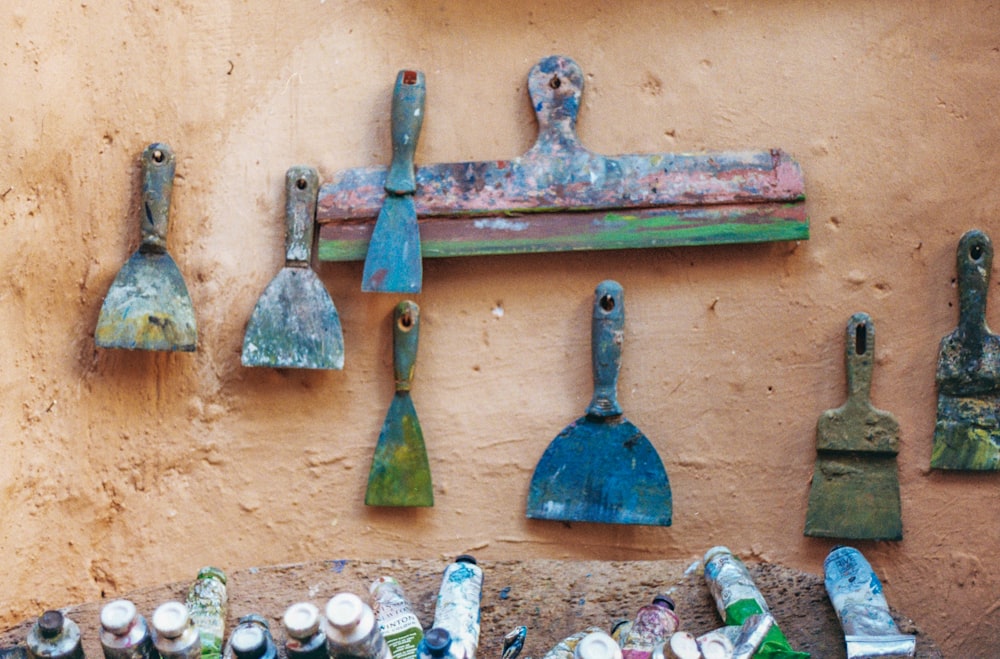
(586, 230)
(581, 180)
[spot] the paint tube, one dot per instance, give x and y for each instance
(513, 642)
(654, 623)
(124, 633)
(715, 645)
(54, 636)
(353, 631)
(304, 636)
(751, 635)
(564, 648)
(175, 635)
(737, 598)
(856, 594)
(395, 617)
(620, 629)
(457, 608)
(251, 639)
(207, 601)
(597, 645)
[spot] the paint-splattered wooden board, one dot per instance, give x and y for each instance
(560, 196)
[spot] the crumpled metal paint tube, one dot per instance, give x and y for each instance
(856, 594)
(737, 598)
(207, 602)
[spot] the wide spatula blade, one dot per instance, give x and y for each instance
(600, 471)
(147, 307)
(294, 325)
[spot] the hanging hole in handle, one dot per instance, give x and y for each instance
(409, 77)
(302, 183)
(861, 339)
(405, 321)
(976, 251)
(158, 155)
(555, 82)
(607, 302)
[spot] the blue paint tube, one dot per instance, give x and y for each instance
(54, 636)
(458, 600)
(513, 642)
(856, 594)
(124, 633)
(175, 635)
(353, 631)
(395, 617)
(304, 636)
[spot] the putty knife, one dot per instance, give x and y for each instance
(855, 486)
(295, 324)
(601, 468)
(393, 264)
(147, 306)
(967, 433)
(400, 474)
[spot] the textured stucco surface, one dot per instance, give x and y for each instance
(123, 470)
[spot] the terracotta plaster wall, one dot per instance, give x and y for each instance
(122, 469)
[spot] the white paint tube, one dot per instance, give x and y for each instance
(856, 594)
(458, 600)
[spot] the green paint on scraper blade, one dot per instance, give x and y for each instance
(400, 474)
(855, 486)
(967, 432)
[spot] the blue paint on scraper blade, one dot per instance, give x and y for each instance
(603, 471)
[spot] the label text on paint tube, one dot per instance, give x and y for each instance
(396, 620)
(730, 582)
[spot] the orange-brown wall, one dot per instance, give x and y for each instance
(121, 469)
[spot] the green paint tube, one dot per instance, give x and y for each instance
(395, 617)
(206, 602)
(737, 598)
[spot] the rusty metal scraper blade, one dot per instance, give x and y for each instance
(601, 468)
(855, 486)
(148, 306)
(967, 432)
(294, 323)
(400, 474)
(393, 263)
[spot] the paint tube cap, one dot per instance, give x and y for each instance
(248, 641)
(466, 558)
(345, 611)
(665, 600)
(597, 645)
(117, 616)
(50, 624)
(437, 640)
(715, 551)
(209, 572)
(301, 620)
(382, 582)
(170, 619)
